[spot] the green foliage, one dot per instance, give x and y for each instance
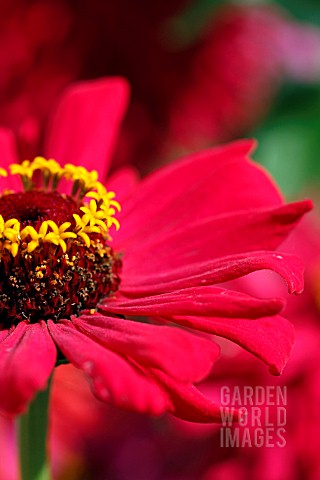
(289, 139)
(306, 10)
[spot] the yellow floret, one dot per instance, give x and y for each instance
(51, 166)
(59, 234)
(10, 234)
(83, 228)
(35, 236)
(82, 178)
(25, 169)
(103, 197)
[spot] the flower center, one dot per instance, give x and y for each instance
(55, 257)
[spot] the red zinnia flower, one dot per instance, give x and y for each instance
(209, 218)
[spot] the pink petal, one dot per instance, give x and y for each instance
(271, 339)
(216, 237)
(4, 334)
(113, 378)
(208, 301)
(142, 280)
(181, 355)
(85, 126)
(195, 187)
(27, 357)
(190, 404)
(8, 155)
(123, 182)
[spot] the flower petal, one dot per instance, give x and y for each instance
(207, 301)
(113, 378)
(123, 182)
(271, 338)
(195, 187)
(180, 354)
(188, 403)
(217, 237)
(4, 334)
(85, 126)
(141, 280)
(27, 357)
(8, 155)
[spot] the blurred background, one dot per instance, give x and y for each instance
(202, 72)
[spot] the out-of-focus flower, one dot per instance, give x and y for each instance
(38, 60)
(69, 440)
(245, 54)
(47, 44)
(183, 98)
(209, 218)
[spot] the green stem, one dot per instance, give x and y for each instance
(33, 439)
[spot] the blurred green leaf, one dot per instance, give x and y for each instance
(289, 140)
(306, 10)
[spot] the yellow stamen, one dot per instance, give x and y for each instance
(59, 234)
(9, 234)
(105, 198)
(36, 237)
(95, 216)
(25, 169)
(82, 228)
(82, 178)
(51, 170)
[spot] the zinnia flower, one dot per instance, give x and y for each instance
(75, 288)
